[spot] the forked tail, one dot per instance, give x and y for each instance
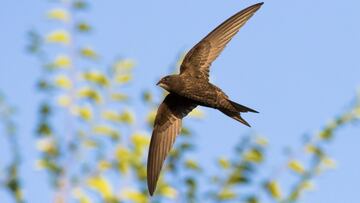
(236, 115)
(242, 108)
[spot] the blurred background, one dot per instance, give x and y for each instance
(78, 98)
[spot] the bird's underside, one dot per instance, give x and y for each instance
(206, 94)
(192, 88)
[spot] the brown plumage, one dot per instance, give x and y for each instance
(191, 88)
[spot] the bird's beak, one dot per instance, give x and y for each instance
(162, 85)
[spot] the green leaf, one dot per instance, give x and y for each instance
(88, 52)
(44, 129)
(274, 189)
(80, 5)
(193, 165)
(238, 178)
(226, 194)
(83, 27)
(254, 155)
(96, 77)
(147, 96)
(252, 199)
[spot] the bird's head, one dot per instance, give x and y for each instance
(167, 82)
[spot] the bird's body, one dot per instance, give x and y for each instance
(191, 88)
(200, 92)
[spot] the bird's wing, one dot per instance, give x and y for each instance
(198, 60)
(166, 127)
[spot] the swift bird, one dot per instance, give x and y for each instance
(191, 88)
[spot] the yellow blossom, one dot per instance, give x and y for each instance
(274, 190)
(96, 77)
(296, 166)
(104, 165)
(47, 145)
(140, 140)
(106, 130)
(58, 14)
(89, 53)
(133, 195)
(85, 113)
(124, 65)
(168, 192)
(58, 36)
(311, 149)
(101, 185)
(63, 81)
(89, 93)
(328, 163)
(119, 97)
(62, 61)
(224, 163)
(226, 194)
(308, 185)
(110, 116)
(40, 164)
(261, 141)
(191, 164)
(253, 155)
(141, 173)
(123, 78)
(127, 117)
(64, 100)
(123, 156)
(357, 111)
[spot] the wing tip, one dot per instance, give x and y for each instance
(151, 191)
(256, 6)
(254, 111)
(259, 4)
(151, 185)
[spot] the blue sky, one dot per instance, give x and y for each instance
(297, 62)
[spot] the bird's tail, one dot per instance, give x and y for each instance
(239, 109)
(242, 108)
(236, 116)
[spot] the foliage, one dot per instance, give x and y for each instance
(9, 178)
(100, 133)
(93, 145)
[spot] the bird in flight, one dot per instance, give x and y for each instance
(191, 88)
